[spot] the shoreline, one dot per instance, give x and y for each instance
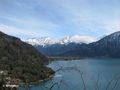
(72, 58)
(40, 81)
(64, 58)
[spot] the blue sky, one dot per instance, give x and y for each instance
(57, 18)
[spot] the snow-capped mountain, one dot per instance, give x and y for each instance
(108, 46)
(79, 46)
(63, 40)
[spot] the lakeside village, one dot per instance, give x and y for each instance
(8, 81)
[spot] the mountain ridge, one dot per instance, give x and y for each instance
(108, 46)
(44, 41)
(54, 46)
(22, 60)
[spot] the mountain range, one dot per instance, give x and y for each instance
(108, 46)
(54, 46)
(47, 41)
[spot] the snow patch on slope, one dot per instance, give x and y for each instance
(63, 40)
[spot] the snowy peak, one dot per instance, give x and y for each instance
(41, 41)
(63, 40)
(112, 37)
(108, 46)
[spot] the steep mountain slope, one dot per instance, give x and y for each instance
(108, 46)
(54, 46)
(12, 46)
(55, 49)
(21, 59)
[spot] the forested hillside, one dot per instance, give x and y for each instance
(22, 60)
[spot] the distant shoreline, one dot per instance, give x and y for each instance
(64, 58)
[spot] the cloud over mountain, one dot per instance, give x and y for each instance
(63, 40)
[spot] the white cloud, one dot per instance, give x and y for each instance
(64, 17)
(23, 32)
(14, 30)
(82, 39)
(89, 17)
(117, 26)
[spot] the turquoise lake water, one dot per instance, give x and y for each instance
(97, 74)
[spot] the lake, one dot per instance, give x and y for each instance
(84, 74)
